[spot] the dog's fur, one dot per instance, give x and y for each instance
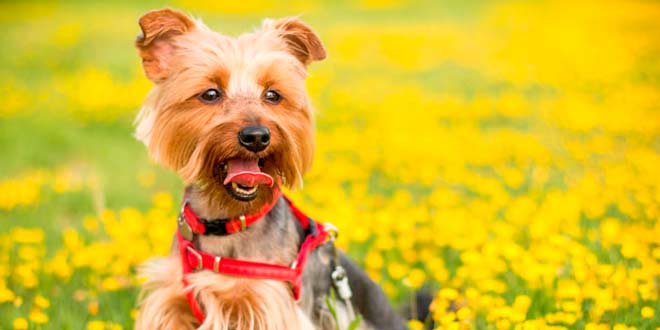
(183, 58)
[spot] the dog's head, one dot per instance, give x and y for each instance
(229, 114)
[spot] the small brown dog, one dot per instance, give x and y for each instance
(232, 117)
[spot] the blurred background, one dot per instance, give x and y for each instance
(502, 155)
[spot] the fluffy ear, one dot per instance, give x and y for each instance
(155, 42)
(301, 41)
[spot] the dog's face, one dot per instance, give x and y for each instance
(229, 114)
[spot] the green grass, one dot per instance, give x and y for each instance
(49, 46)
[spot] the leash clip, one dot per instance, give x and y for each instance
(340, 280)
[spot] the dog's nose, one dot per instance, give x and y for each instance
(254, 138)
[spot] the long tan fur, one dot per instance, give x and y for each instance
(230, 302)
(184, 58)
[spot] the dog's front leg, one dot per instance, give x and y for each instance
(163, 305)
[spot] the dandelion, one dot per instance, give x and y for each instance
(110, 284)
(6, 294)
(93, 308)
(397, 270)
(20, 323)
(95, 325)
(647, 312)
(374, 260)
(415, 278)
(464, 313)
(41, 302)
(38, 317)
(448, 294)
(27, 235)
(514, 176)
(415, 325)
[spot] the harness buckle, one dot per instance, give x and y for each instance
(184, 227)
(198, 256)
(243, 223)
(216, 264)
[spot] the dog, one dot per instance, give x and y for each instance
(232, 117)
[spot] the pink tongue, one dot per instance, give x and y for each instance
(246, 173)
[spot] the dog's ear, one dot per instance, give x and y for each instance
(155, 42)
(300, 40)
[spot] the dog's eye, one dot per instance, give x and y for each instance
(210, 96)
(272, 97)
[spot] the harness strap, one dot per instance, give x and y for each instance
(193, 259)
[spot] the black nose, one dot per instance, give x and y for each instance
(254, 138)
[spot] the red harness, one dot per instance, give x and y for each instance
(194, 259)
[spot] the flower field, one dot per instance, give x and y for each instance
(504, 156)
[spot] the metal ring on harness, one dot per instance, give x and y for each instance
(332, 231)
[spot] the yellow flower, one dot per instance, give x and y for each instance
(415, 325)
(20, 323)
(60, 266)
(27, 235)
(93, 308)
(6, 294)
(374, 260)
(72, 239)
(503, 324)
(41, 302)
(464, 313)
(26, 275)
(570, 306)
(38, 317)
(95, 325)
(647, 312)
(110, 284)
(448, 293)
(415, 278)
(448, 318)
(397, 270)
(541, 176)
(521, 303)
(29, 253)
(389, 289)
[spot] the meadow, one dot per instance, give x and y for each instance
(502, 155)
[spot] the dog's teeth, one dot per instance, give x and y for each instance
(243, 191)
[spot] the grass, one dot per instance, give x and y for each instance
(515, 157)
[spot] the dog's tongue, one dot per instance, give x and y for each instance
(246, 173)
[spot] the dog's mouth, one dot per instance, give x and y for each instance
(242, 178)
